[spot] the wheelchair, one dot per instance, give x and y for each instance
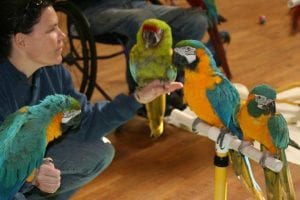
(80, 53)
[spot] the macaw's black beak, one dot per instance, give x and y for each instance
(71, 120)
(179, 61)
(151, 39)
(272, 107)
(269, 108)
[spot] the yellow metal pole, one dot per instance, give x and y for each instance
(221, 162)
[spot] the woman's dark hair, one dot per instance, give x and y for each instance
(18, 16)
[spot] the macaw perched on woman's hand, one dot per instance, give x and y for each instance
(151, 59)
(212, 97)
(24, 136)
(259, 122)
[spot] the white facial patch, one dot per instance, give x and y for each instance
(69, 115)
(262, 101)
(188, 52)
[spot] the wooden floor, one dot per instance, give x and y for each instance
(179, 165)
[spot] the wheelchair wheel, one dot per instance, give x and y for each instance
(79, 54)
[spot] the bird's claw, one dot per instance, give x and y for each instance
(262, 160)
(220, 139)
(243, 145)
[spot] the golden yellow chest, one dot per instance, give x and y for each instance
(195, 86)
(54, 129)
(255, 128)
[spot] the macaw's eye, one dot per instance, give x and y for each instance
(260, 99)
(189, 50)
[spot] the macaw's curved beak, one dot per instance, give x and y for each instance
(152, 38)
(179, 61)
(183, 59)
(271, 107)
(71, 120)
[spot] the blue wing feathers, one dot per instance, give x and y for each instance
(12, 169)
(8, 131)
(279, 131)
(224, 99)
(9, 194)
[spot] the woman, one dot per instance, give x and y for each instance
(30, 47)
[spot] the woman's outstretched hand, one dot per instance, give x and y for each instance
(154, 89)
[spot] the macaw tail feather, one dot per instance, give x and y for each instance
(236, 161)
(279, 185)
(286, 177)
(242, 168)
(272, 182)
(294, 144)
(155, 113)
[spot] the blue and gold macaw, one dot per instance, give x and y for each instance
(24, 136)
(212, 97)
(151, 59)
(259, 121)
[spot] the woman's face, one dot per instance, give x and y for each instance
(45, 43)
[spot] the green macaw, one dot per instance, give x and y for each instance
(24, 136)
(259, 122)
(150, 59)
(213, 98)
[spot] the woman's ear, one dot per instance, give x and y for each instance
(19, 40)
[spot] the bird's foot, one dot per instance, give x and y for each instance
(243, 145)
(220, 139)
(262, 160)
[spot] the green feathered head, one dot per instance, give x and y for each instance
(188, 53)
(58, 103)
(154, 33)
(262, 100)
